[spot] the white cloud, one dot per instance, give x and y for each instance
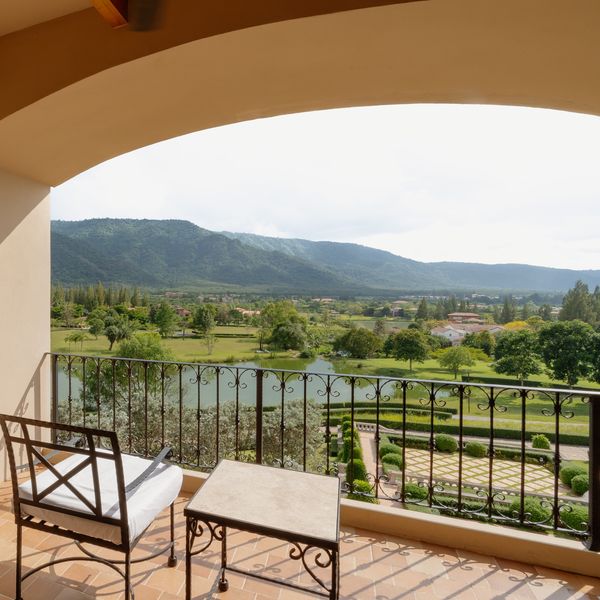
(430, 182)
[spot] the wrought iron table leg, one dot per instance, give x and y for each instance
(223, 583)
(335, 576)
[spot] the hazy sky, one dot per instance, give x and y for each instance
(429, 182)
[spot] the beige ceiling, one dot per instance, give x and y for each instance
(541, 53)
(19, 14)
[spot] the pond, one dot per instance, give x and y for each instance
(239, 382)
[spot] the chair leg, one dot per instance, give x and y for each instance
(172, 558)
(128, 590)
(18, 569)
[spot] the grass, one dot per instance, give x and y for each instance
(239, 349)
(188, 349)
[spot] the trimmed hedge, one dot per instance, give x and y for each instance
(417, 412)
(535, 457)
(476, 449)
(445, 443)
(571, 470)
(508, 434)
(533, 509)
(580, 484)
(577, 518)
(389, 448)
(356, 470)
(412, 491)
(365, 492)
(540, 441)
(392, 460)
(395, 405)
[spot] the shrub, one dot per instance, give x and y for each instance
(445, 443)
(572, 469)
(347, 453)
(392, 460)
(365, 492)
(535, 457)
(576, 518)
(533, 509)
(355, 469)
(388, 448)
(540, 441)
(412, 491)
(580, 484)
(476, 449)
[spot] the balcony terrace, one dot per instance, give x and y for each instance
(64, 111)
(373, 566)
(400, 535)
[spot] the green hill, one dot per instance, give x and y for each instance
(171, 254)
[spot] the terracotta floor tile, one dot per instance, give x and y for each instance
(373, 566)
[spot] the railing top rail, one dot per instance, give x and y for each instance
(590, 393)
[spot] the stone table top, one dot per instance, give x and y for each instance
(269, 498)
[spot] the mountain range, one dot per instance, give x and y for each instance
(167, 254)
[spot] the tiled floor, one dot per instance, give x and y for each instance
(373, 566)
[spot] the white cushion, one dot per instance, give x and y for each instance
(144, 503)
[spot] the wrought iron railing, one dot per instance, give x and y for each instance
(483, 466)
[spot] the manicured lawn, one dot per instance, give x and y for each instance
(188, 349)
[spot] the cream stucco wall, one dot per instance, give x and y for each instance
(24, 299)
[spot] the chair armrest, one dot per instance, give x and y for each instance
(158, 459)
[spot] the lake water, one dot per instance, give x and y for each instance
(240, 381)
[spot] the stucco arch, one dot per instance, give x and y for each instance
(543, 53)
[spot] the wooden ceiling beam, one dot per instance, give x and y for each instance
(114, 12)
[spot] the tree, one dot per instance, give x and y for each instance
(165, 319)
(483, 340)
(203, 319)
(77, 337)
(596, 358)
(277, 313)
(545, 312)
(455, 358)
(96, 326)
(358, 343)
(509, 310)
(379, 327)
(422, 310)
(566, 348)
(516, 354)
(117, 328)
(288, 336)
(577, 304)
(411, 344)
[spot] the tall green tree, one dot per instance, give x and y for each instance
(165, 319)
(509, 310)
(422, 310)
(203, 318)
(288, 336)
(411, 345)
(577, 304)
(379, 327)
(566, 348)
(483, 340)
(545, 312)
(358, 343)
(455, 358)
(117, 328)
(516, 354)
